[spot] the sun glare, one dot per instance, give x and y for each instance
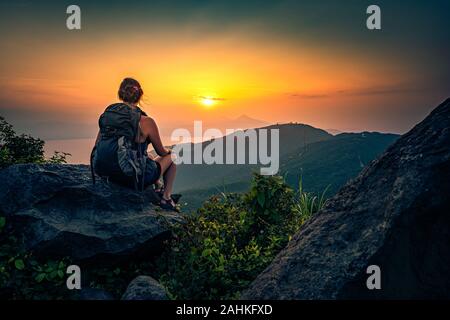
(207, 102)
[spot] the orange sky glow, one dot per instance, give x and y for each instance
(269, 83)
(243, 68)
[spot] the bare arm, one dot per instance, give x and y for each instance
(151, 130)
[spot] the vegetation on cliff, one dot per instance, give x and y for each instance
(232, 238)
(214, 254)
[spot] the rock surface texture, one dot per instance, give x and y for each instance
(395, 214)
(61, 213)
(144, 288)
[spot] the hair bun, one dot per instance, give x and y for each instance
(130, 91)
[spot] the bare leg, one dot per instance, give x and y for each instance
(168, 171)
(169, 179)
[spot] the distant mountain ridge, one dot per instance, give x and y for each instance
(333, 131)
(319, 158)
(245, 122)
(291, 136)
(333, 162)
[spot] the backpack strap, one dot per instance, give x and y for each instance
(92, 165)
(140, 153)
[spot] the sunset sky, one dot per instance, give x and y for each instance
(277, 61)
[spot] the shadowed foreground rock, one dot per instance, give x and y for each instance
(144, 288)
(395, 214)
(60, 213)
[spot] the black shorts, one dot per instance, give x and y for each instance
(151, 175)
(152, 172)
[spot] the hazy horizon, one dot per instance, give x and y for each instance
(275, 61)
(80, 148)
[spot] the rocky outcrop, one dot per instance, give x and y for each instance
(144, 288)
(60, 213)
(395, 214)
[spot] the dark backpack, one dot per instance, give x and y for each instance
(117, 154)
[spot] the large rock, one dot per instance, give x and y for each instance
(144, 288)
(61, 213)
(395, 214)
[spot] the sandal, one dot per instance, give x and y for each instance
(168, 204)
(175, 197)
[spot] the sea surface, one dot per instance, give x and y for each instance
(80, 149)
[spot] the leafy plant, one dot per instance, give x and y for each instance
(58, 157)
(307, 203)
(24, 275)
(231, 239)
(23, 148)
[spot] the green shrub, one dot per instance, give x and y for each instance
(231, 239)
(20, 271)
(24, 275)
(307, 203)
(23, 148)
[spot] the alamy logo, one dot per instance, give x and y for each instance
(74, 280)
(73, 21)
(251, 146)
(374, 20)
(374, 280)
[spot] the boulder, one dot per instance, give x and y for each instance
(395, 215)
(144, 288)
(60, 213)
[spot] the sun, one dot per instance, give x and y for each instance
(207, 102)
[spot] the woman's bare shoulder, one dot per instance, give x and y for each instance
(148, 122)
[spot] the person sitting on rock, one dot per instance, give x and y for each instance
(120, 152)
